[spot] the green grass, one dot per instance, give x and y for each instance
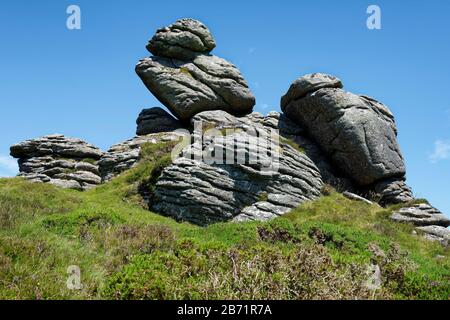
(186, 71)
(89, 160)
(292, 144)
(320, 250)
(263, 196)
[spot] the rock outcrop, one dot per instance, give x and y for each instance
(235, 165)
(261, 179)
(186, 79)
(358, 137)
(357, 133)
(429, 220)
(56, 159)
(421, 215)
(155, 120)
(393, 191)
(308, 84)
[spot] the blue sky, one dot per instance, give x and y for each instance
(82, 83)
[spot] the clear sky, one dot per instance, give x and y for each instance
(82, 82)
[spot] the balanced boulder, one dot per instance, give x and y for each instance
(189, 83)
(182, 40)
(56, 159)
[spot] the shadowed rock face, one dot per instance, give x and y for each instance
(356, 132)
(192, 81)
(393, 191)
(155, 120)
(56, 159)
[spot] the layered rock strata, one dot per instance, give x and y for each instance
(61, 161)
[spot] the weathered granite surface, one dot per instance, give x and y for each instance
(56, 159)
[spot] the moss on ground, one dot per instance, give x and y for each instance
(321, 250)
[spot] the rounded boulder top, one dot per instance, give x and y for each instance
(182, 40)
(307, 84)
(55, 145)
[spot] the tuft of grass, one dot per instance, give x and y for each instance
(263, 196)
(185, 71)
(407, 204)
(90, 161)
(292, 144)
(327, 189)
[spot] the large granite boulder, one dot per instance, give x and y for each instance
(240, 170)
(198, 82)
(357, 132)
(155, 120)
(56, 159)
(182, 40)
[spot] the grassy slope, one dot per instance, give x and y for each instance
(321, 250)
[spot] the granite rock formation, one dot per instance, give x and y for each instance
(429, 220)
(421, 215)
(357, 133)
(56, 159)
(186, 79)
(125, 155)
(246, 188)
(235, 164)
(393, 191)
(436, 233)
